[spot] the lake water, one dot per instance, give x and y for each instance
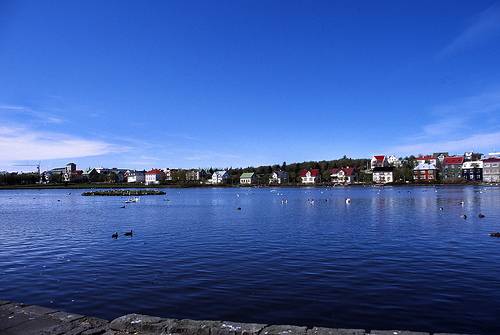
(390, 259)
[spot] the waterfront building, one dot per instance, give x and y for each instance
(168, 174)
(219, 177)
(248, 178)
(136, 176)
(154, 177)
(195, 175)
(278, 177)
(383, 175)
(378, 161)
(393, 161)
(347, 175)
(425, 172)
(429, 159)
(452, 168)
(310, 176)
(472, 171)
(491, 170)
(440, 157)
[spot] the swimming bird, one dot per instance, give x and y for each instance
(239, 208)
(348, 200)
(129, 233)
(496, 234)
(463, 216)
(461, 203)
(115, 235)
(441, 208)
(481, 215)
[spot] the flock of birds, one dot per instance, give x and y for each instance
(348, 201)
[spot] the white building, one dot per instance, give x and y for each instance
(278, 177)
(248, 178)
(167, 173)
(378, 161)
(219, 177)
(136, 177)
(383, 175)
(491, 170)
(429, 159)
(343, 175)
(393, 161)
(310, 176)
(154, 177)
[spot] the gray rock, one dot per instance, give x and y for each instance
(238, 328)
(195, 327)
(141, 323)
(284, 330)
(31, 326)
(335, 331)
(66, 317)
(37, 310)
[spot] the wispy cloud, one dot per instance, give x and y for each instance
(22, 144)
(475, 142)
(19, 110)
(465, 124)
(486, 25)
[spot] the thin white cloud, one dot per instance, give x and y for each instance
(457, 126)
(24, 144)
(8, 110)
(485, 26)
(475, 142)
(459, 116)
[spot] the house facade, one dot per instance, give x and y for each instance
(425, 172)
(310, 176)
(430, 159)
(278, 177)
(248, 178)
(451, 168)
(219, 177)
(472, 171)
(383, 175)
(136, 177)
(195, 175)
(393, 161)
(154, 177)
(378, 161)
(345, 175)
(491, 170)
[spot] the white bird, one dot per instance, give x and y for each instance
(348, 200)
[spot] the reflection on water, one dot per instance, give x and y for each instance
(390, 259)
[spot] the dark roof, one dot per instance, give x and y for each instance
(491, 160)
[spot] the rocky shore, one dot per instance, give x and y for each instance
(22, 319)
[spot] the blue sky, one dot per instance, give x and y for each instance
(236, 83)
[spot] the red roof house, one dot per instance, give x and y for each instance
(310, 176)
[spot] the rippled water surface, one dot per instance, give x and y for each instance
(390, 259)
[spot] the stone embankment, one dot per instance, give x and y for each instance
(22, 319)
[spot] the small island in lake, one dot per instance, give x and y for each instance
(119, 193)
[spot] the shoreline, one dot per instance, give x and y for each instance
(23, 319)
(177, 186)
